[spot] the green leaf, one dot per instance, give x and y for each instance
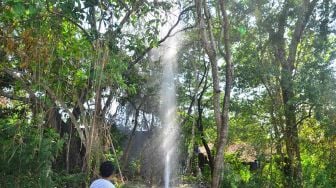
(18, 9)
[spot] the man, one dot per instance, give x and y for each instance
(106, 171)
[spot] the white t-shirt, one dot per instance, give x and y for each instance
(101, 183)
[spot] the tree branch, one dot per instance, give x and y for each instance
(62, 104)
(107, 104)
(299, 28)
(31, 93)
(14, 97)
(87, 35)
(305, 117)
(193, 98)
(141, 56)
(129, 12)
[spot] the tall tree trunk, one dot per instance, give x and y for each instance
(287, 63)
(208, 40)
(223, 132)
(221, 114)
(294, 176)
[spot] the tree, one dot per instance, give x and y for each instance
(221, 113)
(283, 47)
(73, 59)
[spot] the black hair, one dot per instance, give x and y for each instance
(106, 169)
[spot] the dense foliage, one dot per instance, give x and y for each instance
(80, 83)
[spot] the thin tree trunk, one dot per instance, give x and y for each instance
(200, 122)
(221, 114)
(201, 131)
(191, 152)
(130, 140)
(208, 44)
(219, 161)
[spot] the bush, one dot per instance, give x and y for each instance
(26, 153)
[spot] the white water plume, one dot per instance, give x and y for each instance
(170, 130)
(166, 54)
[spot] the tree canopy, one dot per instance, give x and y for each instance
(255, 91)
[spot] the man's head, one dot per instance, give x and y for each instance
(106, 169)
